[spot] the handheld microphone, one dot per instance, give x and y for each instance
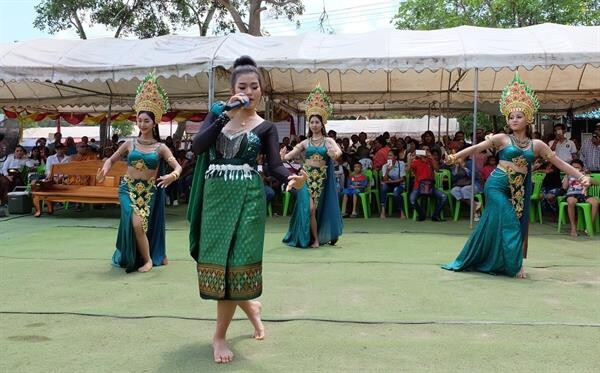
(236, 104)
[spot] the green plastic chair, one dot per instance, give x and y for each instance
(270, 209)
(287, 196)
(365, 197)
(537, 178)
(457, 204)
(443, 183)
(584, 213)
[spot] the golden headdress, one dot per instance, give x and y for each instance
(151, 97)
(317, 103)
(518, 96)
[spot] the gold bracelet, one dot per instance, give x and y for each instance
(175, 174)
(549, 155)
(450, 159)
(580, 178)
(171, 158)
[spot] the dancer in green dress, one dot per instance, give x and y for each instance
(141, 237)
(316, 218)
(227, 206)
(499, 242)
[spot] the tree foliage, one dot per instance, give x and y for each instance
(149, 18)
(122, 128)
(435, 14)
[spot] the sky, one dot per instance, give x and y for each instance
(345, 16)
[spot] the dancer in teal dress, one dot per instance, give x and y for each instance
(316, 219)
(227, 206)
(141, 236)
(499, 242)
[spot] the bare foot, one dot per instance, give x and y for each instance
(146, 267)
(315, 244)
(382, 216)
(573, 232)
(165, 261)
(254, 317)
(522, 273)
(221, 352)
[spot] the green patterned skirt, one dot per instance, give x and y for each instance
(232, 237)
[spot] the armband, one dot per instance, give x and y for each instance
(217, 108)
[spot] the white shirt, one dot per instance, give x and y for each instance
(11, 162)
(53, 159)
(564, 150)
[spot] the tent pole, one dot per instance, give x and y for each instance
(103, 132)
(473, 167)
(428, 116)
(211, 86)
(440, 123)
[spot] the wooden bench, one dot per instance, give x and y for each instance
(76, 182)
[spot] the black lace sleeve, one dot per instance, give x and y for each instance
(208, 133)
(270, 147)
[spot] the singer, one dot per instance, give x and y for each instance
(227, 206)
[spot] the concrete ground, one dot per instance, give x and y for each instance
(376, 302)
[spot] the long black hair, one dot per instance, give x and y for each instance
(310, 134)
(155, 133)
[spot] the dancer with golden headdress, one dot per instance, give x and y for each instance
(316, 218)
(499, 242)
(141, 237)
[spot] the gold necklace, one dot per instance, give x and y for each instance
(146, 142)
(523, 144)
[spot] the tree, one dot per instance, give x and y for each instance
(122, 128)
(149, 18)
(57, 15)
(238, 10)
(435, 14)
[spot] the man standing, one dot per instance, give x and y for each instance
(590, 151)
(564, 148)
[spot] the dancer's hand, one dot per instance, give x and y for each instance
(101, 175)
(282, 152)
(296, 181)
(165, 180)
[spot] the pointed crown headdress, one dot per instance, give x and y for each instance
(151, 97)
(518, 96)
(317, 103)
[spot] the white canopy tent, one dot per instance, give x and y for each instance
(387, 70)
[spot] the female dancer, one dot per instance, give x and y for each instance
(499, 242)
(316, 218)
(227, 208)
(141, 237)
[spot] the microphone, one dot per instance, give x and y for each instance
(237, 104)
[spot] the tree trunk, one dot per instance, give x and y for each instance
(237, 19)
(204, 25)
(178, 134)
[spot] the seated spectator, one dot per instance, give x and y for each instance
(11, 173)
(461, 184)
(423, 166)
(551, 187)
(357, 183)
(83, 153)
(71, 147)
(576, 192)
(59, 157)
(489, 166)
(380, 152)
(393, 175)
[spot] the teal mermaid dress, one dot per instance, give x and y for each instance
(321, 188)
(143, 198)
(499, 242)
